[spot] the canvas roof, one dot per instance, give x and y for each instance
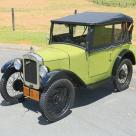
(94, 18)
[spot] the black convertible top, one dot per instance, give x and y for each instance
(94, 18)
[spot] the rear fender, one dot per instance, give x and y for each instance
(124, 54)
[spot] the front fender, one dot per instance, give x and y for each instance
(50, 78)
(8, 65)
(59, 74)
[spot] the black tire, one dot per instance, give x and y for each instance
(122, 80)
(3, 89)
(47, 96)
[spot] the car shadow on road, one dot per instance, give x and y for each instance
(84, 96)
(4, 103)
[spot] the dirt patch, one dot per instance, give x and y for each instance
(36, 15)
(23, 3)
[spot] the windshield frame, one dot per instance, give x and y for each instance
(68, 43)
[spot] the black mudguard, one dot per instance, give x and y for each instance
(119, 59)
(7, 66)
(50, 78)
(59, 74)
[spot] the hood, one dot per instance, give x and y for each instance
(59, 52)
(50, 53)
(66, 57)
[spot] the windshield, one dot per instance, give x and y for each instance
(69, 34)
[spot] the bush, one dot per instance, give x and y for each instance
(119, 3)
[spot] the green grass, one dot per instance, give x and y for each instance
(33, 18)
(119, 3)
(22, 37)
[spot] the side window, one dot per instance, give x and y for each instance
(80, 31)
(118, 33)
(60, 29)
(102, 36)
(130, 29)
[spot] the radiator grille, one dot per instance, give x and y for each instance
(30, 67)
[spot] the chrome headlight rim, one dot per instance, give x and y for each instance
(18, 64)
(43, 70)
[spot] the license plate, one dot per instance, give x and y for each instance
(31, 93)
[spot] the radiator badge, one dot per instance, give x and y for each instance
(28, 62)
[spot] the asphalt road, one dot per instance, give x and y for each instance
(97, 112)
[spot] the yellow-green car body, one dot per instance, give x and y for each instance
(89, 67)
(83, 49)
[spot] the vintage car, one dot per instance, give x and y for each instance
(83, 49)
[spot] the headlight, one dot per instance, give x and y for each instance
(17, 64)
(43, 71)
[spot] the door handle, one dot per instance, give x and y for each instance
(110, 56)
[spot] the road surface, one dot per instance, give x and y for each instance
(97, 112)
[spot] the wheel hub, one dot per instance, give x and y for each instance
(58, 99)
(123, 74)
(18, 85)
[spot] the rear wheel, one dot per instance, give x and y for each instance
(11, 87)
(56, 102)
(123, 75)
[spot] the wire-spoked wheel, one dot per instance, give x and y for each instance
(56, 102)
(123, 75)
(12, 86)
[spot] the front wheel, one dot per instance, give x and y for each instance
(11, 86)
(123, 75)
(56, 102)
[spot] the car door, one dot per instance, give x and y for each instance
(99, 58)
(99, 62)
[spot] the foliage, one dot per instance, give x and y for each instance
(119, 3)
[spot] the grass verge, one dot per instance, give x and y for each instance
(22, 37)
